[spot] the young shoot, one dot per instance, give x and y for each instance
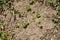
(38, 15)
(28, 8)
(40, 25)
(24, 24)
(16, 25)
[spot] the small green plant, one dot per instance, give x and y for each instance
(40, 25)
(58, 0)
(25, 23)
(1, 22)
(31, 1)
(52, 1)
(58, 13)
(10, 5)
(1, 9)
(58, 8)
(2, 35)
(20, 13)
(38, 15)
(55, 20)
(15, 11)
(28, 8)
(16, 25)
(2, 0)
(9, 38)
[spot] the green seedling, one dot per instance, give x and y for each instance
(58, 13)
(55, 20)
(2, 0)
(15, 11)
(59, 1)
(28, 8)
(1, 9)
(38, 15)
(40, 25)
(1, 22)
(16, 25)
(52, 1)
(2, 35)
(31, 1)
(20, 13)
(9, 38)
(25, 23)
(58, 8)
(9, 5)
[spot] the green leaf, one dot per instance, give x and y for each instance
(9, 38)
(38, 15)
(1, 22)
(16, 25)
(28, 8)
(58, 13)
(2, 0)
(58, 8)
(52, 1)
(2, 35)
(55, 20)
(40, 25)
(31, 1)
(25, 23)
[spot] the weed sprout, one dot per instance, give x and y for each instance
(31, 1)
(28, 8)
(25, 23)
(1, 22)
(40, 25)
(55, 20)
(2, 35)
(16, 25)
(38, 15)
(9, 38)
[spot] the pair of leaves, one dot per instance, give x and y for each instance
(25, 23)
(28, 8)
(38, 15)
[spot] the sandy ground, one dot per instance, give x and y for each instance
(32, 32)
